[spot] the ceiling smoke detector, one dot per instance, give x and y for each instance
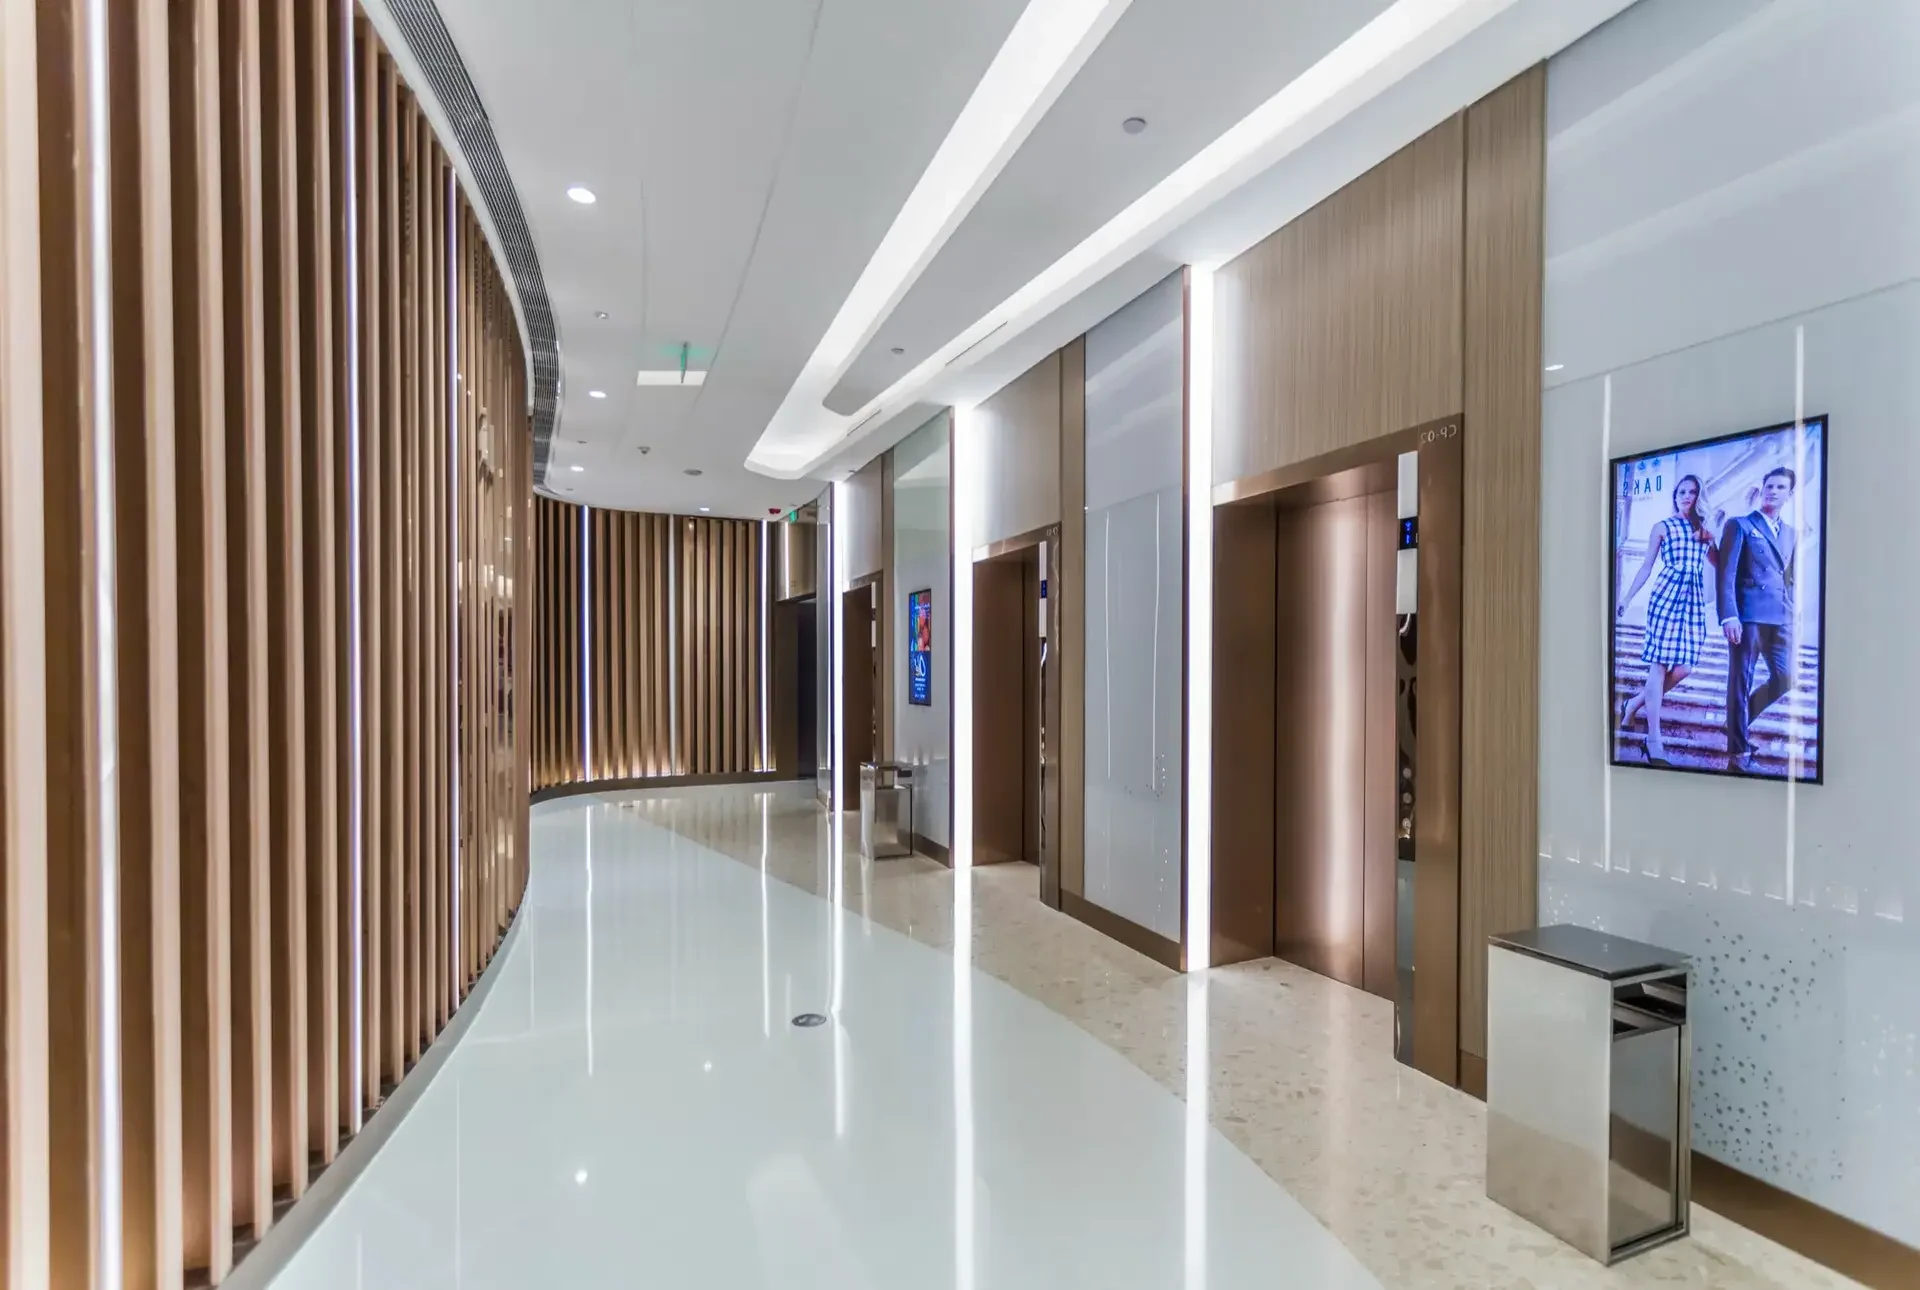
(695, 471)
(1134, 124)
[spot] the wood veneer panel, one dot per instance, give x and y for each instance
(248, 615)
(1020, 454)
(23, 696)
(1500, 587)
(146, 636)
(287, 591)
(1344, 325)
(199, 302)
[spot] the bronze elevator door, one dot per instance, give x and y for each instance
(1336, 740)
(1007, 709)
(859, 693)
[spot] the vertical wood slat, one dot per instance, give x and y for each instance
(320, 264)
(218, 370)
(393, 768)
(251, 838)
(24, 1093)
(205, 725)
(148, 844)
(71, 753)
(373, 566)
(287, 485)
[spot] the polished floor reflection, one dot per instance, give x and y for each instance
(634, 1107)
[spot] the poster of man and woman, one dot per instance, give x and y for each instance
(1718, 613)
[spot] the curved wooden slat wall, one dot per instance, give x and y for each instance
(265, 480)
(650, 652)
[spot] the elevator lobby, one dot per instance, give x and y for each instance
(985, 645)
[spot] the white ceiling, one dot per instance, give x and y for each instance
(749, 155)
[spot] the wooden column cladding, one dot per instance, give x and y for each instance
(265, 499)
(647, 647)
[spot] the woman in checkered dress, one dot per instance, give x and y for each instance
(1683, 546)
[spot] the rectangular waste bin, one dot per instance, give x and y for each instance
(886, 810)
(1589, 1071)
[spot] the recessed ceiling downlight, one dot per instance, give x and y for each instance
(695, 471)
(596, 394)
(582, 195)
(1134, 125)
(577, 469)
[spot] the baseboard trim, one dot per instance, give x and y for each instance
(579, 787)
(932, 850)
(1159, 948)
(269, 1258)
(1852, 1249)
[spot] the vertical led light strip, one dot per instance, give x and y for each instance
(356, 681)
(965, 487)
(1796, 746)
(586, 643)
(765, 762)
(838, 533)
(453, 579)
(107, 1158)
(1199, 618)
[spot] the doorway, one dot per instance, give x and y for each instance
(1337, 726)
(859, 685)
(1016, 697)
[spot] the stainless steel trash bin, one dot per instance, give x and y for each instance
(1589, 1071)
(886, 810)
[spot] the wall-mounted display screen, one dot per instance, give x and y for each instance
(1719, 551)
(920, 648)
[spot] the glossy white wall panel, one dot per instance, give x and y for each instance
(1136, 526)
(1733, 193)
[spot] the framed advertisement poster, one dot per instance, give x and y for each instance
(920, 648)
(1718, 622)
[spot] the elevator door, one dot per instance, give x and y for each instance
(1336, 740)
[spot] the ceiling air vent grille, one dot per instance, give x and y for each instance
(432, 48)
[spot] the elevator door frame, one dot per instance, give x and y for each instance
(1245, 723)
(996, 721)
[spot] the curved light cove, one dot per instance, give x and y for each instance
(1366, 64)
(1049, 43)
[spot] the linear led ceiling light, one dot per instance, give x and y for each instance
(1401, 39)
(1049, 43)
(672, 376)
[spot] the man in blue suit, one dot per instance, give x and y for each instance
(1755, 594)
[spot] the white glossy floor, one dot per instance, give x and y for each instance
(632, 1106)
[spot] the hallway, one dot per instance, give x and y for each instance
(633, 1106)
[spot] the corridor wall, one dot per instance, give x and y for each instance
(1720, 259)
(264, 465)
(651, 647)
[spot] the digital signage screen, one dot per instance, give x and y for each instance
(920, 648)
(1718, 604)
